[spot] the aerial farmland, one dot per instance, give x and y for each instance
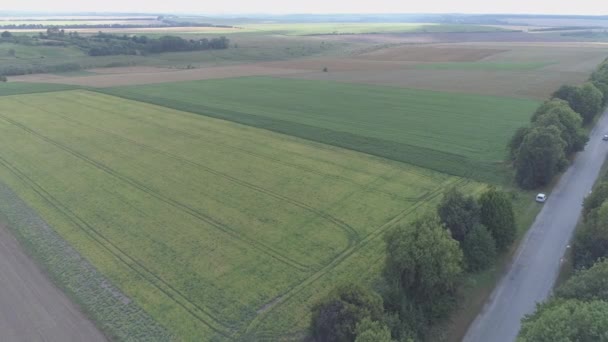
(218, 195)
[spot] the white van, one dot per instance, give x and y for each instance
(541, 198)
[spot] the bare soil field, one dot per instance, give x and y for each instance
(340, 64)
(453, 37)
(130, 70)
(431, 54)
(146, 77)
(553, 64)
(33, 309)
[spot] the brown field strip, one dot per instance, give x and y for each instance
(133, 78)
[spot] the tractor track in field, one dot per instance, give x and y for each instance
(226, 330)
(118, 253)
(176, 204)
(242, 150)
(342, 257)
(352, 234)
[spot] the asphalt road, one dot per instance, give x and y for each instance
(535, 267)
(31, 308)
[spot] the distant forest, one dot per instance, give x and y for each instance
(105, 44)
(98, 24)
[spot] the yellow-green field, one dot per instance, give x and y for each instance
(217, 230)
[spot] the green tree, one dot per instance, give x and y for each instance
(566, 321)
(498, 217)
(458, 212)
(603, 87)
(595, 199)
(515, 142)
(479, 248)
(588, 284)
(591, 240)
(6, 34)
(424, 264)
(587, 101)
(372, 331)
(337, 316)
(541, 156)
(565, 92)
(557, 113)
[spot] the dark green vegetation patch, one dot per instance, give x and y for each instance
(16, 88)
(458, 134)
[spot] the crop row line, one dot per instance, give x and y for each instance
(240, 149)
(174, 203)
(350, 231)
(370, 237)
(132, 263)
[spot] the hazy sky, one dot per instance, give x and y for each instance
(314, 6)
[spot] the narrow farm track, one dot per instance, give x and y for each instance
(33, 309)
(535, 268)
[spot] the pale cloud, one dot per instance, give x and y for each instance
(596, 7)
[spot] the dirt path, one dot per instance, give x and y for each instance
(31, 307)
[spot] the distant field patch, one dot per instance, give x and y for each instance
(458, 134)
(483, 66)
(14, 88)
(360, 28)
(430, 54)
(219, 231)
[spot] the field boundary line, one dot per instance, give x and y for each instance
(242, 150)
(351, 233)
(459, 167)
(205, 218)
(119, 254)
(459, 181)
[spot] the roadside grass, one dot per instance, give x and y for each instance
(505, 66)
(458, 134)
(218, 231)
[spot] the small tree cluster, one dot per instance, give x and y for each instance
(349, 313)
(481, 226)
(600, 80)
(577, 312)
(540, 151)
(423, 267)
(591, 239)
(585, 99)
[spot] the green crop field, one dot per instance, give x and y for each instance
(458, 134)
(14, 88)
(217, 230)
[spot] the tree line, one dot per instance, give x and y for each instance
(541, 150)
(578, 311)
(164, 23)
(105, 44)
(425, 263)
